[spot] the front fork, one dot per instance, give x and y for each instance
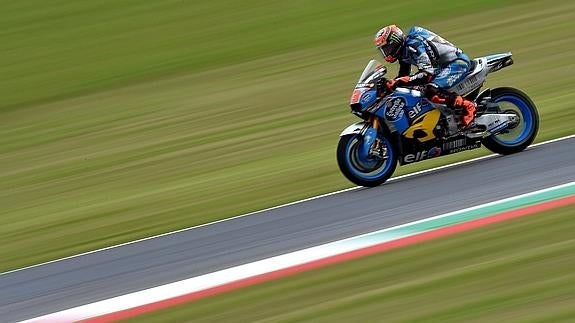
(371, 146)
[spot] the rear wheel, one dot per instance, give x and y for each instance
(367, 171)
(518, 136)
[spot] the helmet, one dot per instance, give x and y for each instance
(389, 41)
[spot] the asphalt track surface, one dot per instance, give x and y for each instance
(112, 272)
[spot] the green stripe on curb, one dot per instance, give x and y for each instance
(469, 214)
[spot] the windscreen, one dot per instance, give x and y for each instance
(371, 67)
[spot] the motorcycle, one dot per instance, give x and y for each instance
(405, 127)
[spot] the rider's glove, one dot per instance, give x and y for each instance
(399, 81)
(391, 85)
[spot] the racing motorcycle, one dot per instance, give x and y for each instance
(406, 127)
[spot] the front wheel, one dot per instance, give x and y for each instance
(520, 135)
(365, 171)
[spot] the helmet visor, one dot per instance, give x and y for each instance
(389, 49)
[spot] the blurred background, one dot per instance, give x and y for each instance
(124, 119)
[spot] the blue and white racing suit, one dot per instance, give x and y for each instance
(439, 61)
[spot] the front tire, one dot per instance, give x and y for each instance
(368, 172)
(522, 135)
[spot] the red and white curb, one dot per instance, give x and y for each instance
(194, 288)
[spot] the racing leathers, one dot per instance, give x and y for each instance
(440, 66)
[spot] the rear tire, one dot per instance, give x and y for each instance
(523, 134)
(371, 172)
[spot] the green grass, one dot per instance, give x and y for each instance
(123, 119)
(519, 271)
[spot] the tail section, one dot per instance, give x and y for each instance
(498, 61)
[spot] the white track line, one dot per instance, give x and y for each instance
(264, 266)
(277, 207)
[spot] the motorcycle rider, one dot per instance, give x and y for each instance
(440, 65)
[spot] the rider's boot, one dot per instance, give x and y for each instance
(468, 109)
(458, 101)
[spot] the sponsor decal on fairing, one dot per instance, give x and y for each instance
(394, 109)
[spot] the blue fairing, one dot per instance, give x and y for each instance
(368, 98)
(402, 107)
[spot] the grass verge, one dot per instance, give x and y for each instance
(124, 119)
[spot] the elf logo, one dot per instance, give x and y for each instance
(421, 155)
(414, 111)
